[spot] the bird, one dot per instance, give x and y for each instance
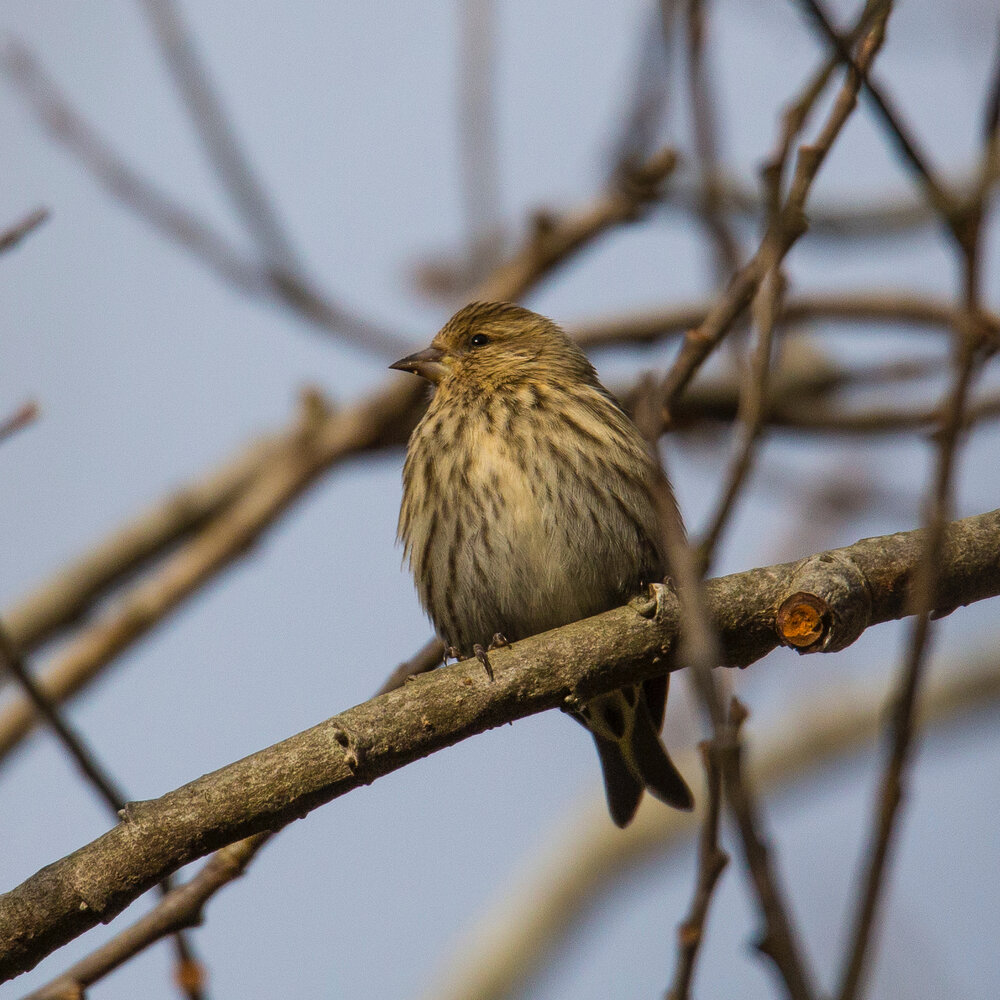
(528, 503)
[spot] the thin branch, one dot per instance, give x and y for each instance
(554, 238)
(864, 584)
(566, 879)
(322, 439)
(778, 942)
(217, 134)
(797, 113)
(752, 412)
(24, 415)
(95, 773)
(12, 235)
(849, 309)
(175, 221)
(180, 909)
(703, 116)
(890, 214)
(937, 194)
(104, 784)
(782, 233)
(428, 657)
(712, 861)
(970, 346)
(73, 591)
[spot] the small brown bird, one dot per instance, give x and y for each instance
(527, 505)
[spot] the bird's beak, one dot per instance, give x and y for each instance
(429, 364)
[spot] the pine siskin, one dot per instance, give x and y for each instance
(527, 505)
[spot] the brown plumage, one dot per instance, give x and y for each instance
(527, 505)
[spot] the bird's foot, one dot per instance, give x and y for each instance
(483, 659)
(498, 641)
(650, 604)
(451, 653)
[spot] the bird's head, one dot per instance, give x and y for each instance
(487, 345)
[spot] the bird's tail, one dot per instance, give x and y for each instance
(625, 725)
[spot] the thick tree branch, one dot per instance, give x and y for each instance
(867, 583)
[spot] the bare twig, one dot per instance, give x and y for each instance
(429, 656)
(938, 196)
(752, 412)
(703, 114)
(10, 237)
(92, 769)
(557, 237)
(796, 115)
(217, 135)
(25, 414)
(778, 940)
(712, 861)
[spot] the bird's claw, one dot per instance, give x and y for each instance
(650, 604)
(483, 659)
(498, 641)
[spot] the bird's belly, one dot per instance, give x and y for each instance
(532, 560)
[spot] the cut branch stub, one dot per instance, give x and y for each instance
(803, 620)
(828, 607)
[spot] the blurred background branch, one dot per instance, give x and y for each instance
(859, 361)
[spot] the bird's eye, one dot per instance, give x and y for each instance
(478, 339)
